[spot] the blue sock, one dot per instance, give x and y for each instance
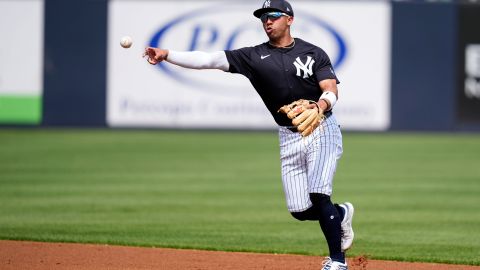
(330, 222)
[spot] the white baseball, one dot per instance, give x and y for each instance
(126, 42)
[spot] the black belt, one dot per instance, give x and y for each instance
(294, 129)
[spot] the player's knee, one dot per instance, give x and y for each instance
(319, 199)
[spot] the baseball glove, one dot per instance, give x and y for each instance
(305, 118)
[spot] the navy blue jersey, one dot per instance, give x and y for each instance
(283, 75)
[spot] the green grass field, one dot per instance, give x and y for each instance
(417, 196)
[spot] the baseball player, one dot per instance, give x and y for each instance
(298, 85)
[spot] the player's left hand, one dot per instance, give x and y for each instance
(155, 55)
(306, 115)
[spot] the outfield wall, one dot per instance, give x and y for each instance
(403, 65)
(435, 66)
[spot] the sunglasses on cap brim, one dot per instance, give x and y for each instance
(272, 15)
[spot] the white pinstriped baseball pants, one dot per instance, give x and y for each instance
(309, 163)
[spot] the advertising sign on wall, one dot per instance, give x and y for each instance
(355, 35)
(21, 61)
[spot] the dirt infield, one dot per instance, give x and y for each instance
(42, 256)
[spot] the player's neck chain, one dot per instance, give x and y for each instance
(289, 46)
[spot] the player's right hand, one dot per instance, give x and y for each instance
(155, 55)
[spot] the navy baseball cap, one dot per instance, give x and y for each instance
(274, 5)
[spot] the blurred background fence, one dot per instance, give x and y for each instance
(403, 65)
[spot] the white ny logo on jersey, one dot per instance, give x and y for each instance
(307, 67)
(266, 4)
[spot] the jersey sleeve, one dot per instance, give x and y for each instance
(240, 61)
(323, 68)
